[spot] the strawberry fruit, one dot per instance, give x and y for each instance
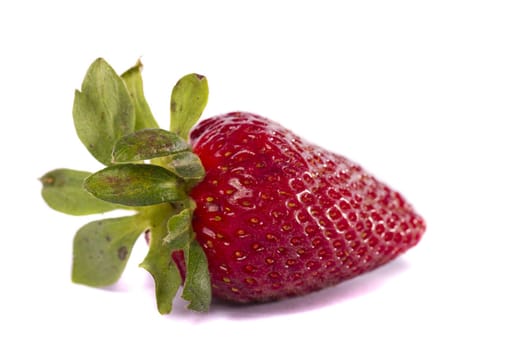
(278, 216)
(237, 207)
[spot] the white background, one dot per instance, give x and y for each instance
(427, 95)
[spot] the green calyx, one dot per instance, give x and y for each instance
(149, 171)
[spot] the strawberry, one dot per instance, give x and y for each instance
(278, 216)
(237, 207)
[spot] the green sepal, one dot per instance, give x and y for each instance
(103, 110)
(179, 230)
(63, 191)
(188, 166)
(101, 249)
(188, 100)
(143, 117)
(135, 185)
(148, 144)
(197, 285)
(159, 262)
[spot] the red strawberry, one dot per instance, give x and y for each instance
(245, 209)
(278, 216)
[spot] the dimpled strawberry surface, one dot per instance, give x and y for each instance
(278, 216)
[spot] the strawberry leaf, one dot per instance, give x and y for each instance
(63, 191)
(179, 230)
(188, 100)
(135, 185)
(143, 117)
(103, 111)
(160, 265)
(101, 250)
(188, 166)
(197, 285)
(147, 144)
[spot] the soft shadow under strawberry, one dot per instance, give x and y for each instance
(355, 288)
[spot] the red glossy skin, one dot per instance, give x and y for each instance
(278, 216)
